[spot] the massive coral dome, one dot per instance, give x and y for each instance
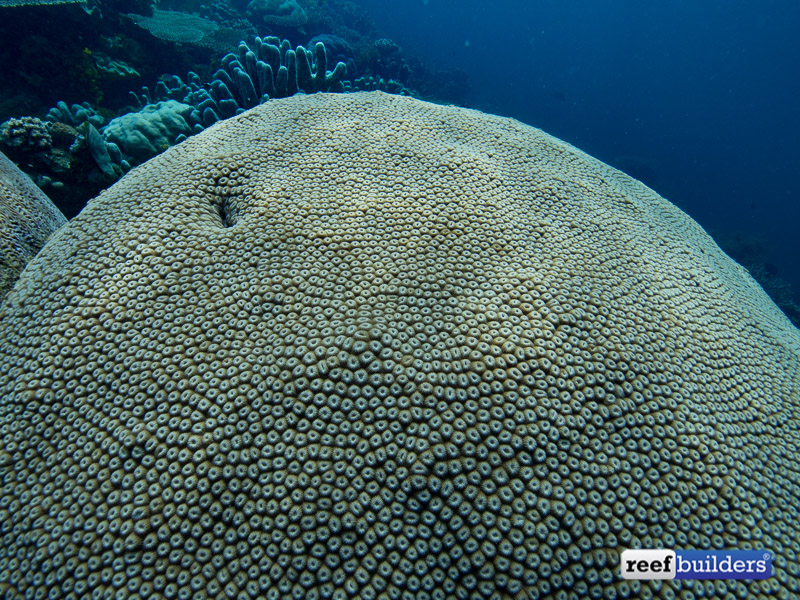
(362, 346)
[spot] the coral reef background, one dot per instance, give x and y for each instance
(102, 62)
(694, 100)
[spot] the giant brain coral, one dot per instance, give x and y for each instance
(362, 346)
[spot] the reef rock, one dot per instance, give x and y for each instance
(27, 219)
(364, 346)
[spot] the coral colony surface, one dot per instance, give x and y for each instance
(365, 346)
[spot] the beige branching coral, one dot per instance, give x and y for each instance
(362, 346)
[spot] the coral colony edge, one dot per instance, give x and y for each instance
(362, 346)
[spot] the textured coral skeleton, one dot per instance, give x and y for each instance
(359, 345)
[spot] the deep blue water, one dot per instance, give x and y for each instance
(698, 98)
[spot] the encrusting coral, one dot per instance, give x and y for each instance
(365, 346)
(143, 134)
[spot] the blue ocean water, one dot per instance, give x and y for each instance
(697, 98)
